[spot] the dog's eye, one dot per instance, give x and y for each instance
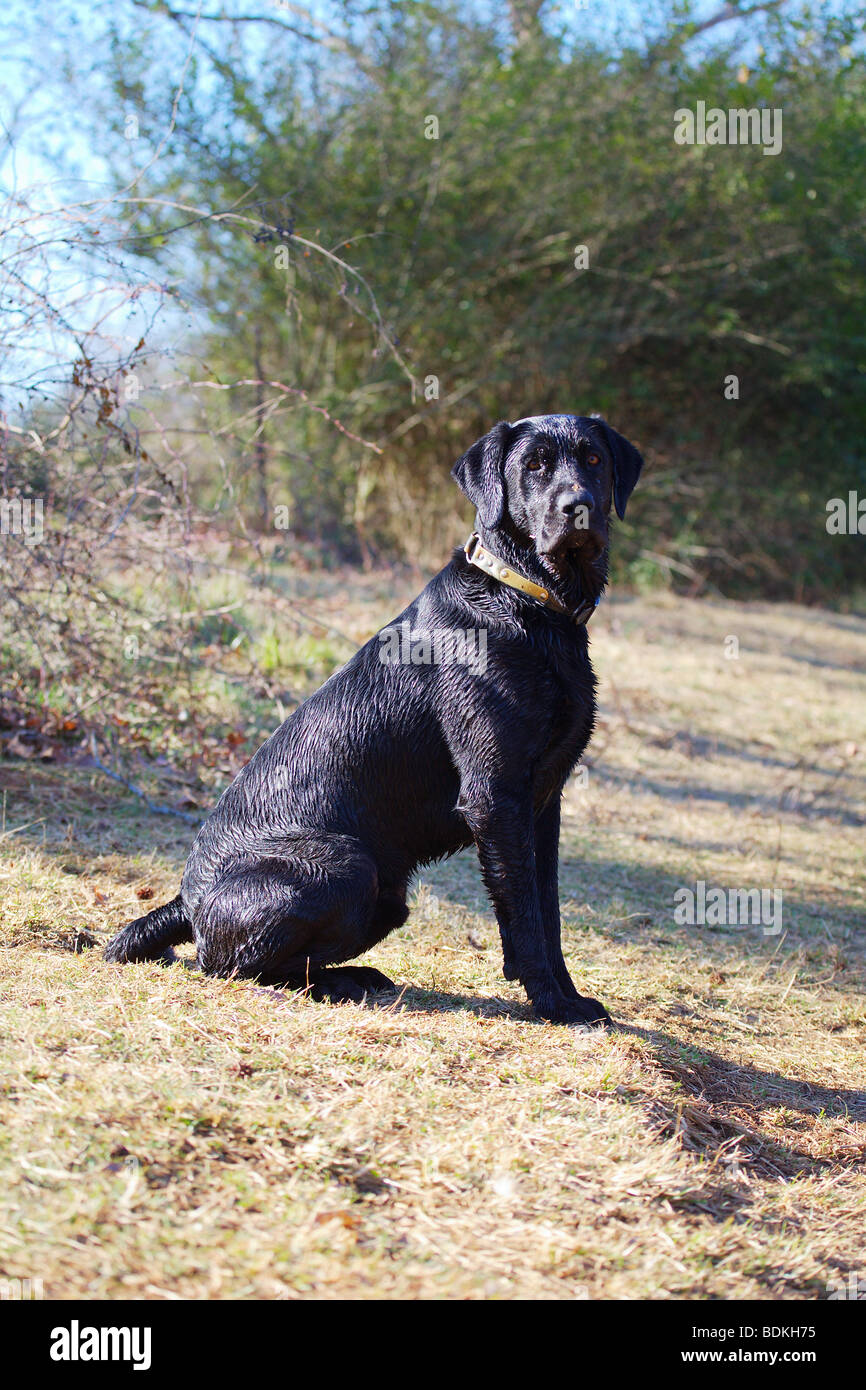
(593, 460)
(535, 462)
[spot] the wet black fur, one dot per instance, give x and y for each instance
(306, 860)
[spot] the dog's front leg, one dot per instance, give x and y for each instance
(547, 872)
(503, 826)
(547, 869)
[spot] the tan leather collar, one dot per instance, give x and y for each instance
(485, 560)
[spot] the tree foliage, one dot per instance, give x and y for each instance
(378, 218)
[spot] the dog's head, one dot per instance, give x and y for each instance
(551, 479)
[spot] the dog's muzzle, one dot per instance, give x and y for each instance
(574, 525)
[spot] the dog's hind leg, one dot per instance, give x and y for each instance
(282, 920)
(389, 913)
(151, 937)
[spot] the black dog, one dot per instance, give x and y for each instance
(400, 758)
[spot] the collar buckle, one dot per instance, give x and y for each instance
(471, 546)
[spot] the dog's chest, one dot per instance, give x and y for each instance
(570, 688)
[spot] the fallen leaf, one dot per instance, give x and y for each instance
(346, 1218)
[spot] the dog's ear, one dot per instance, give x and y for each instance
(627, 464)
(479, 473)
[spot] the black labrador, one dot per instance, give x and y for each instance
(420, 746)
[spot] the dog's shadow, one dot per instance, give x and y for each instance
(721, 1104)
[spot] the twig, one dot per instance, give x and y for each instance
(137, 791)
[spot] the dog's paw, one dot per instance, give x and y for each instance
(371, 979)
(588, 1012)
(348, 984)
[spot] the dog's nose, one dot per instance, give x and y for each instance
(569, 502)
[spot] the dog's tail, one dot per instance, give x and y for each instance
(151, 937)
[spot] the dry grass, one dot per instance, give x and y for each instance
(164, 1135)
